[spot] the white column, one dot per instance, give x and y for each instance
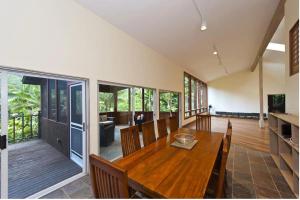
(261, 95)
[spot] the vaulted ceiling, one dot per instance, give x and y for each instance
(172, 28)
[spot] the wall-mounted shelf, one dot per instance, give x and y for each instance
(285, 151)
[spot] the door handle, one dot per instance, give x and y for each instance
(83, 126)
(3, 142)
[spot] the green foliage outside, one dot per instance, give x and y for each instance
(148, 98)
(138, 104)
(186, 92)
(26, 99)
(106, 102)
(168, 102)
(123, 100)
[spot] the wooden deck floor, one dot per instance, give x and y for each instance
(245, 132)
(36, 166)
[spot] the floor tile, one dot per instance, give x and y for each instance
(289, 195)
(57, 194)
(75, 186)
(242, 176)
(83, 193)
(243, 190)
(255, 158)
(265, 193)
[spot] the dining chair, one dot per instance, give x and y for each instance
(229, 133)
(219, 192)
(130, 140)
(107, 180)
(173, 124)
(162, 128)
(216, 184)
(203, 122)
(148, 133)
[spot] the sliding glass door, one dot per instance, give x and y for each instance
(42, 133)
(3, 136)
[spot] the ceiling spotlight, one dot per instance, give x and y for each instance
(203, 26)
(203, 22)
(215, 53)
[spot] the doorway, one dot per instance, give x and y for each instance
(42, 131)
(121, 106)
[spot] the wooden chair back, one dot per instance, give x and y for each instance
(203, 122)
(229, 133)
(108, 181)
(148, 133)
(162, 128)
(219, 192)
(130, 140)
(173, 124)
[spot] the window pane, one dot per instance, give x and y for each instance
(106, 102)
(52, 113)
(138, 101)
(123, 100)
(193, 95)
(186, 93)
(198, 96)
(62, 101)
(168, 101)
(174, 101)
(163, 102)
(148, 98)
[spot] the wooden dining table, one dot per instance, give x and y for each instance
(160, 170)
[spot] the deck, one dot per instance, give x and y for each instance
(34, 166)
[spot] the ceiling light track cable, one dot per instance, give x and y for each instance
(203, 23)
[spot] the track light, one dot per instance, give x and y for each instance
(203, 26)
(203, 22)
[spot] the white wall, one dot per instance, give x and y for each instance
(62, 37)
(239, 92)
(292, 82)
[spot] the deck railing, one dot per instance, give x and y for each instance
(23, 127)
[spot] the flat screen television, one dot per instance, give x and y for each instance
(276, 103)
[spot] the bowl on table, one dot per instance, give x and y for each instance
(184, 138)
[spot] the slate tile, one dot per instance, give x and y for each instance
(265, 193)
(57, 194)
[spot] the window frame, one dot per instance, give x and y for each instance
(57, 99)
(293, 69)
(199, 85)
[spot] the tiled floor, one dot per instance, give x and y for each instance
(250, 174)
(253, 174)
(79, 189)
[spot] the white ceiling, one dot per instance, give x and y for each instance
(172, 28)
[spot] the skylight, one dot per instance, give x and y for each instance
(276, 47)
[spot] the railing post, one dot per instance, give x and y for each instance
(14, 129)
(31, 134)
(39, 124)
(22, 126)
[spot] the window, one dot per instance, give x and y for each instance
(138, 99)
(62, 89)
(52, 104)
(294, 49)
(168, 102)
(195, 99)
(187, 95)
(148, 100)
(106, 102)
(123, 100)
